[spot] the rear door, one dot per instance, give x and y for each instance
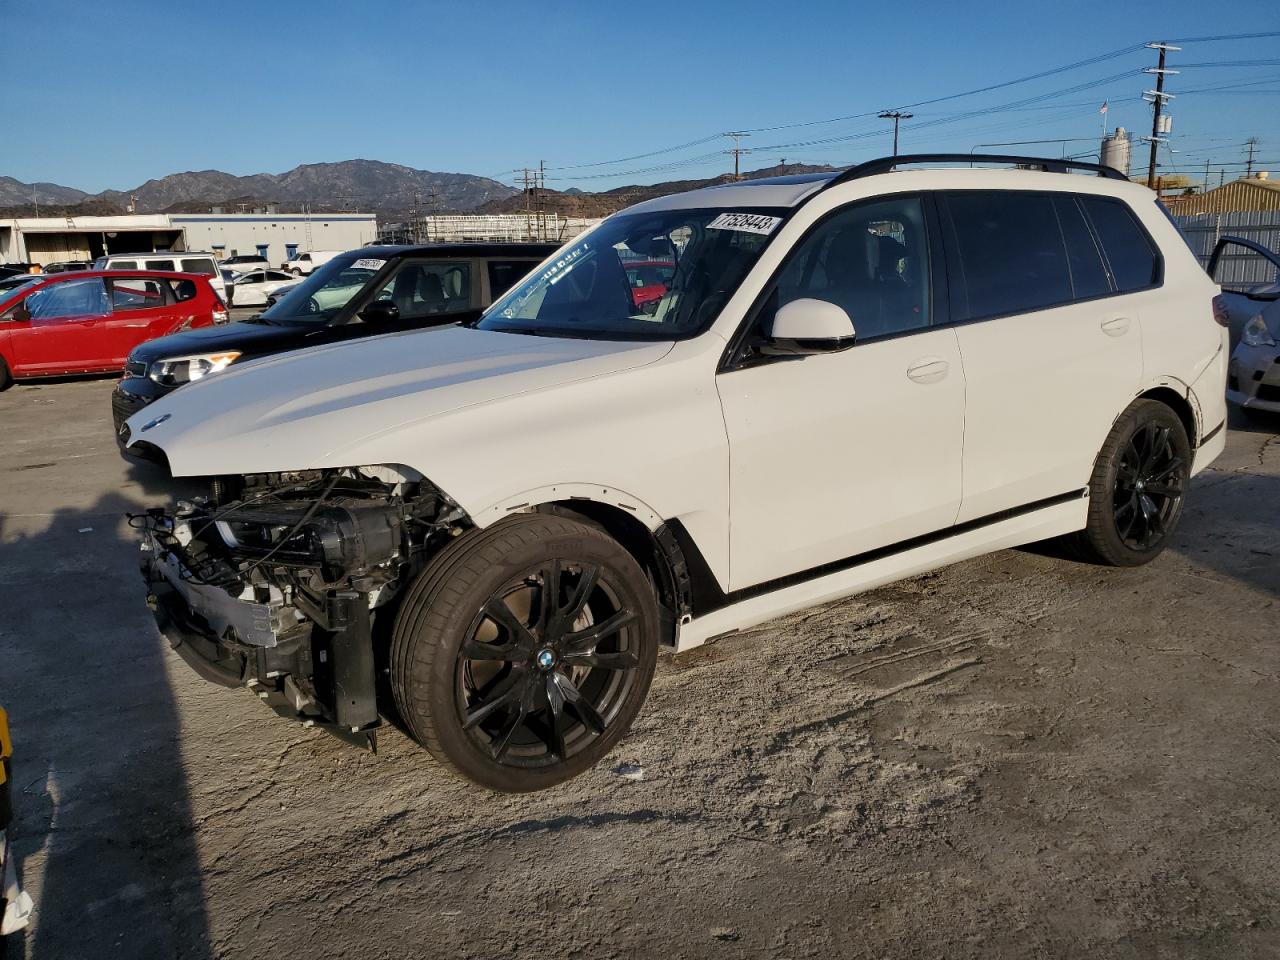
(67, 331)
(141, 309)
(1052, 349)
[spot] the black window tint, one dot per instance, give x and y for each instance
(1133, 262)
(872, 259)
(1011, 252)
(200, 265)
(504, 273)
(1088, 273)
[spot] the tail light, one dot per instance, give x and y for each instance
(1220, 312)
(220, 314)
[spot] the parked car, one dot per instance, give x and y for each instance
(488, 530)
(649, 279)
(197, 262)
(19, 280)
(67, 266)
(356, 294)
(244, 262)
(253, 288)
(304, 263)
(88, 322)
(15, 903)
(1249, 274)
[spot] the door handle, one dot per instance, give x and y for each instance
(1116, 326)
(928, 370)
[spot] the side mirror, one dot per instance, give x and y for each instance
(380, 312)
(19, 314)
(804, 327)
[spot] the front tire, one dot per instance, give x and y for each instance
(6, 378)
(522, 653)
(1138, 487)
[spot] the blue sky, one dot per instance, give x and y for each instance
(130, 90)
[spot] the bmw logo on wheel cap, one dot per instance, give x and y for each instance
(546, 658)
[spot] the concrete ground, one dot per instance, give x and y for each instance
(1016, 756)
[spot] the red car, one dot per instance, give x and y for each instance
(649, 279)
(88, 321)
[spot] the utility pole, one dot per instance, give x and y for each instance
(1205, 188)
(1252, 144)
(896, 116)
(1158, 97)
(737, 150)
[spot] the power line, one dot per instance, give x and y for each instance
(1227, 36)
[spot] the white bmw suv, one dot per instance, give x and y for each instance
(485, 532)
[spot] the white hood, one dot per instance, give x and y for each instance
(321, 407)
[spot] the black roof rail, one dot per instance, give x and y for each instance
(1047, 164)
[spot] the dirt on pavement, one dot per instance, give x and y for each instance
(1019, 755)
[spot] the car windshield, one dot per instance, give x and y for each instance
(322, 296)
(692, 261)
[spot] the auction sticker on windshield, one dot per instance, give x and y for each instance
(746, 222)
(369, 264)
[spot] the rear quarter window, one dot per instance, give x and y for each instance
(1131, 255)
(201, 265)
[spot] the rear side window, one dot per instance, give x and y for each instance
(159, 265)
(1088, 272)
(182, 290)
(200, 265)
(504, 273)
(123, 265)
(1133, 260)
(1011, 253)
(136, 293)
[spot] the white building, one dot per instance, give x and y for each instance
(277, 236)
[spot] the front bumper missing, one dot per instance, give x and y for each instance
(326, 679)
(1253, 378)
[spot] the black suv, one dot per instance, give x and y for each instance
(357, 294)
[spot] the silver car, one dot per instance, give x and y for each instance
(1249, 275)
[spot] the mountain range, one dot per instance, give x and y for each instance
(388, 189)
(365, 185)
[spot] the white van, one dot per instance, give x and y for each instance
(173, 261)
(304, 263)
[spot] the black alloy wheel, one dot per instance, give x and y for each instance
(523, 652)
(1149, 486)
(1138, 487)
(547, 665)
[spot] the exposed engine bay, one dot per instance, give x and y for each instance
(273, 580)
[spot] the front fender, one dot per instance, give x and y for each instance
(596, 492)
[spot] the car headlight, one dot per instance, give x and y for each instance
(173, 371)
(1256, 334)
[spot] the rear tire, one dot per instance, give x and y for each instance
(1138, 487)
(6, 378)
(522, 653)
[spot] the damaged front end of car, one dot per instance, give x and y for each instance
(274, 581)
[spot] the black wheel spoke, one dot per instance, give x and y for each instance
(508, 693)
(555, 717)
(574, 698)
(624, 660)
(1163, 490)
(549, 598)
(475, 649)
(585, 640)
(527, 702)
(518, 634)
(1165, 472)
(581, 593)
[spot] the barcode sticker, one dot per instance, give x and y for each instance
(369, 264)
(746, 222)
